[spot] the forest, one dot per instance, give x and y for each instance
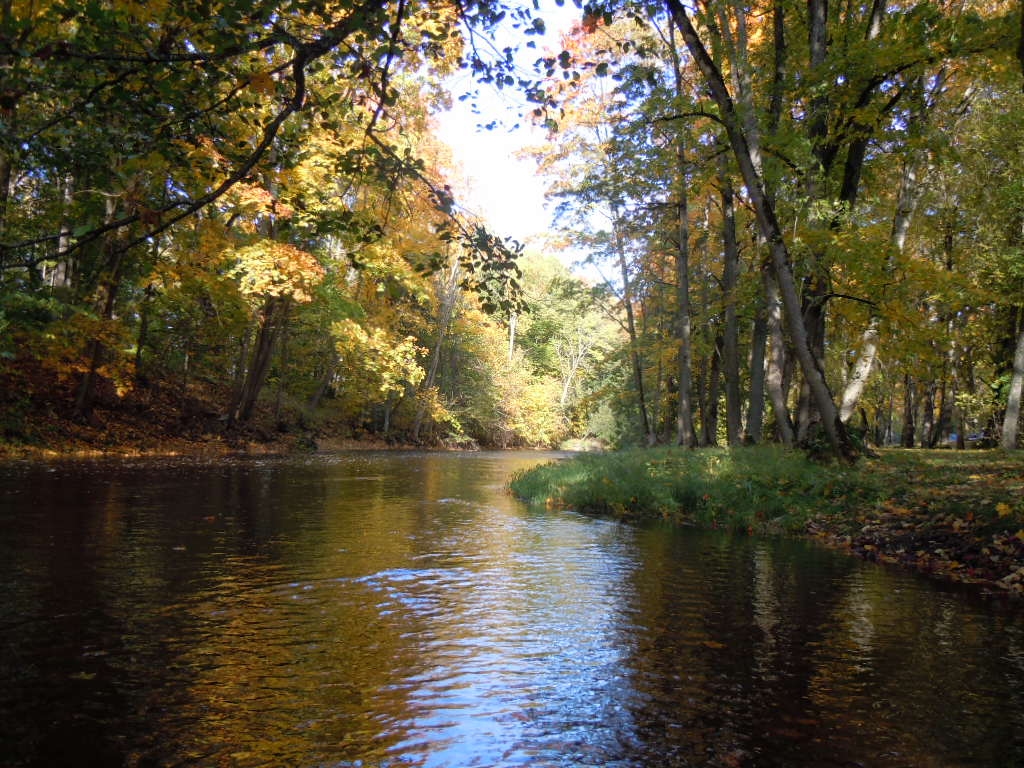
(802, 222)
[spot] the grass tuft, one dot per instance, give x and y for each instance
(758, 488)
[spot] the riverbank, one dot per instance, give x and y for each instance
(956, 514)
(37, 421)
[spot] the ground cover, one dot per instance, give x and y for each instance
(957, 514)
(37, 421)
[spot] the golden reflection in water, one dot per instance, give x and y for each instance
(404, 610)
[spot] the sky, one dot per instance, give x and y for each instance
(504, 190)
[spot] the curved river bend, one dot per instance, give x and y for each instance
(400, 609)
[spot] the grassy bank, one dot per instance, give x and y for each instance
(958, 514)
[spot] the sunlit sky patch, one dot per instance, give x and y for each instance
(503, 188)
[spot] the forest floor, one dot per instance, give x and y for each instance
(37, 421)
(955, 514)
(958, 515)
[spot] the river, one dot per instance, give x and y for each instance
(401, 609)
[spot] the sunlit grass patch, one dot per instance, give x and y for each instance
(956, 514)
(751, 488)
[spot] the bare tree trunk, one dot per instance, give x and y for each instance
(909, 407)
(282, 361)
(325, 382)
(110, 282)
(684, 417)
(946, 398)
(815, 283)
(777, 361)
(709, 403)
(513, 322)
(272, 323)
(634, 343)
(241, 365)
(142, 338)
(861, 370)
(730, 336)
(906, 204)
(927, 413)
(61, 276)
(886, 437)
(1011, 420)
(755, 411)
(8, 109)
(570, 365)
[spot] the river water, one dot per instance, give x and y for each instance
(401, 609)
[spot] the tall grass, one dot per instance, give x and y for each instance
(760, 488)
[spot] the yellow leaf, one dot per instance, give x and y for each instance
(262, 82)
(1003, 509)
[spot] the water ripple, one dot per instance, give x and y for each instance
(395, 610)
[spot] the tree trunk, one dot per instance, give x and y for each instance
(861, 370)
(634, 343)
(684, 330)
(927, 414)
(815, 284)
(241, 364)
(8, 108)
(62, 274)
(513, 322)
(909, 406)
(110, 282)
(325, 382)
(775, 381)
(282, 361)
(730, 335)
(1011, 420)
(945, 417)
(142, 338)
(272, 322)
(570, 364)
(906, 204)
(709, 422)
(755, 411)
(813, 299)
(835, 431)
(684, 417)
(448, 292)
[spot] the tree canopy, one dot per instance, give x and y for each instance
(805, 217)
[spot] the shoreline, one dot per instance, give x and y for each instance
(931, 519)
(953, 516)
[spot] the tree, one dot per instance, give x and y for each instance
(772, 232)
(132, 133)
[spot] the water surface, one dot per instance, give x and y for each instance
(400, 609)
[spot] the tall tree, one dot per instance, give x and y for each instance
(770, 229)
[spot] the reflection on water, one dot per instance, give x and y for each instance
(401, 609)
